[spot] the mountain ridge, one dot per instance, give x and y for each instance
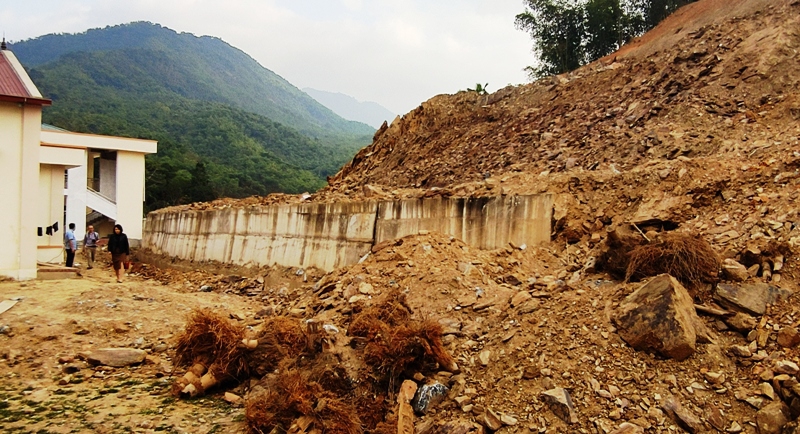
(236, 71)
(260, 134)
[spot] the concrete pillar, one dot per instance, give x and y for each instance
(76, 199)
(130, 194)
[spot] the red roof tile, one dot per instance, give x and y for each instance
(10, 82)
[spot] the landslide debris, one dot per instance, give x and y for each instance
(682, 147)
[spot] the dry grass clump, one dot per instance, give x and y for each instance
(685, 256)
(291, 398)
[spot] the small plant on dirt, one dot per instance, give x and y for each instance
(479, 89)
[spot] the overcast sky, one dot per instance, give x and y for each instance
(397, 53)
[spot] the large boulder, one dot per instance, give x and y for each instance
(659, 317)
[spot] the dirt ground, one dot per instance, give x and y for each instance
(515, 320)
(60, 319)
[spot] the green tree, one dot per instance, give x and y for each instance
(570, 33)
(201, 189)
(604, 27)
(557, 27)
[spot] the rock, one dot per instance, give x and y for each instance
(741, 322)
(732, 270)
(463, 401)
(767, 390)
(741, 351)
(791, 428)
(491, 420)
(530, 372)
(366, 288)
(357, 298)
(715, 378)
(405, 413)
(528, 307)
(735, 428)
(508, 420)
(560, 404)
(659, 317)
(520, 298)
(683, 417)
(232, 398)
(772, 418)
(458, 427)
(71, 368)
(716, 418)
(751, 298)
(628, 428)
(428, 396)
(484, 357)
(660, 209)
(786, 367)
(116, 357)
(788, 337)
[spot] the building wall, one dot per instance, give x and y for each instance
(19, 163)
(51, 210)
(108, 179)
(329, 236)
(130, 193)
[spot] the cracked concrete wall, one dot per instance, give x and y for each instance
(328, 236)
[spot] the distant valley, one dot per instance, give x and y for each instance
(370, 113)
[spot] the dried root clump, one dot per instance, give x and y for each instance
(291, 401)
(393, 342)
(211, 346)
(279, 338)
(619, 244)
(687, 257)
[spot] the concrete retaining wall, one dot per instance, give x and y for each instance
(483, 222)
(328, 236)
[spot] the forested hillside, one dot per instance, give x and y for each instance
(226, 126)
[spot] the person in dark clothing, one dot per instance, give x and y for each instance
(70, 244)
(120, 249)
